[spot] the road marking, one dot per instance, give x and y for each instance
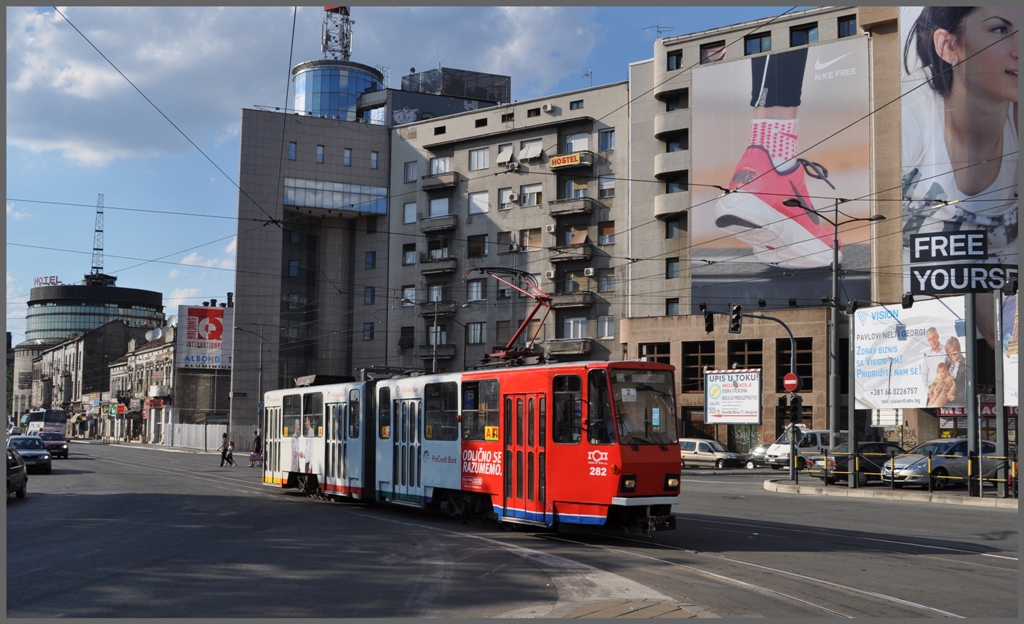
(998, 556)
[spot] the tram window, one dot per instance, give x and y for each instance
(541, 425)
(529, 476)
(440, 415)
(600, 424)
(529, 426)
(480, 417)
(519, 422)
(313, 415)
(566, 426)
(540, 477)
(353, 414)
(292, 407)
(508, 421)
(384, 420)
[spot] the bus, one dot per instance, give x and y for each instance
(33, 422)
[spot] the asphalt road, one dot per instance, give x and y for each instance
(141, 532)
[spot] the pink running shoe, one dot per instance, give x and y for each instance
(753, 211)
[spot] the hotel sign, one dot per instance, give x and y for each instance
(565, 160)
(47, 280)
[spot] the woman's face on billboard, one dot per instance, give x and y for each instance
(991, 70)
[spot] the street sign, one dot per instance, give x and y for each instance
(791, 382)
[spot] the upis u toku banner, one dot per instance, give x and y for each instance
(204, 337)
(732, 397)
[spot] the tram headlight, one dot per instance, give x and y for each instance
(671, 482)
(628, 483)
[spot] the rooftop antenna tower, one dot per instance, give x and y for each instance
(659, 28)
(97, 240)
(337, 33)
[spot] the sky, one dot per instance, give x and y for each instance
(158, 136)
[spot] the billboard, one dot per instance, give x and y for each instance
(911, 358)
(959, 148)
(771, 128)
(203, 337)
(1008, 323)
(732, 397)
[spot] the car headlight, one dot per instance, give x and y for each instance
(64, 446)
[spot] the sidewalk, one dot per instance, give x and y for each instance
(779, 485)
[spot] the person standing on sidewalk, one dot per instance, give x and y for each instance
(223, 448)
(257, 449)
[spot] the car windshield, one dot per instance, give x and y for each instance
(27, 443)
(715, 446)
(644, 405)
(51, 436)
(935, 448)
(784, 438)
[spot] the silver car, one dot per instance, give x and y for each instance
(949, 464)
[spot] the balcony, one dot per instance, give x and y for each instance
(439, 181)
(568, 346)
(671, 122)
(671, 163)
(445, 264)
(572, 160)
(579, 299)
(444, 351)
(437, 224)
(566, 253)
(444, 308)
(572, 206)
(671, 204)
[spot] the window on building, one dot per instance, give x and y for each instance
(605, 327)
(507, 117)
(672, 307)
(576, 189)
(576, 105)
(576, 142)
(671, 268)
(606, 233)
(369, 295)
(505, 199)
(502, 332)
(371, 259)
(479, 159)
(712, 52)
(679, 101)
(479, 203)
(367, 331)
(606, 139)
(675, 60)
(803, 34)
(530, 195)
(574, 234)
(476, 246)
(606, 186)
(293, 268)
(437, 248)
(476, 333)
(293, 150)
(847, 26)
(410, 171)
(439, 130)
(409, 254)
(504, 292)
(530, 240)
(672, 228)
(506, 242)
(678, 143)
(441, 164)
(804, 362)
(655, 352)
(533, 112)
(745, 354)
(347, 158)
(408, 296)
(435, 292)
(438, 335)
(439, 207)
(504, 154)
(574, 327)
(319, 153)
(677, 183)
(476, 290)
(757, 43)
(371, 225)
(409, 213)
(697, 356)
(407, 337)
(374, 159)
(482, 122)
(606, 280)
(533, 148)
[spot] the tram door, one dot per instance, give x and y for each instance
(334, 470)
(406, 478)
(524, 465)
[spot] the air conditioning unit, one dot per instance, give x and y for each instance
(588, 272)
(550, 229)
(547, 108)
(549, 274)
(513, 197)
(512, 166)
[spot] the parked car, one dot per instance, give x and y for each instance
(697, 452)
(755, 458)
(33, 451)
(808, 442)
(55, 443)
(14, 431)
(17, 474)
(949, 464)
(872, 455)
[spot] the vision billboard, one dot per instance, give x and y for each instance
(771, 128)
(1011, 371)
(203, 337)
(958, 69)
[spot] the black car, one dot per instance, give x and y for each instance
(872, 456)
(755, 458)
(55, 443)
(17, 474)
(33, 451)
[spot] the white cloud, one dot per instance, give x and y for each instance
(183, 296)
(232, 246)
(173, 273)
(194, 259)
(17, 215)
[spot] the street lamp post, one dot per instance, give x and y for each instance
(833, 334)
(433, 337)
(259, 377)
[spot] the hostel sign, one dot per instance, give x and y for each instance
(566, 160)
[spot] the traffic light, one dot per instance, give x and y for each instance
(709, 318)
(796, 410)
(735, 318)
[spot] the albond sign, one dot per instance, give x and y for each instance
(204, 337)
(732, 397)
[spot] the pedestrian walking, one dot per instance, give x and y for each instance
(223, 448)
(256, 458)
(230, 455)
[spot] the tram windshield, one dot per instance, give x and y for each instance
(645, 406)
